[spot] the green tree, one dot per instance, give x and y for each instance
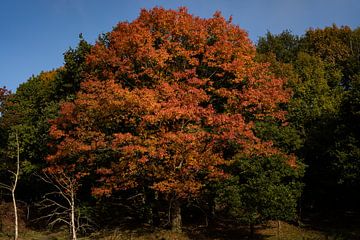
(73, 72)
(284, 46)
(322, 74)
(331, 44)
(4, 95)
(261, 188)
(31, 107)
(344, 150)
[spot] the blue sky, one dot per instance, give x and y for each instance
(34, 34)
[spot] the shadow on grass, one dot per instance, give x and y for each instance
(341, 225)
(218, 231)
(224, 230)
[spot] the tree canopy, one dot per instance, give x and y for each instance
(171, 110)
(166, 101)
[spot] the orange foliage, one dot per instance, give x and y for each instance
(167, 98)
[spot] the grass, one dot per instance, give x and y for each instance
(35, 235)
(288, 231)
(221, 231)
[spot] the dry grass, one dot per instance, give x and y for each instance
(288, 231)
(220, 232)
(141, 234)
(268, 232)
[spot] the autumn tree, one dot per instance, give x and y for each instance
(165, 103)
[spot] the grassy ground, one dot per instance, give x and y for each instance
(219, 232)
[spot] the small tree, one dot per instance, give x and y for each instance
(62, 201)
(261, 188)
(15, 175)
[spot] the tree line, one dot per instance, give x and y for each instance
(173, 118)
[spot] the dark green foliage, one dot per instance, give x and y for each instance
(322, 72)
(286, 138)
(261, 188)
(72, 74)
(28, 110)
(4, 95)
(285, 46)
(346, 148)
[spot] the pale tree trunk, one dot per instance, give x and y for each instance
(176, 216)
(16, 216)
(73, 226)
(16, 227)
(64, 213)
(12, 187)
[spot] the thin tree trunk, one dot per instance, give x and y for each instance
(278, 229)
(176, 216)
(16, 237)
(73, 227)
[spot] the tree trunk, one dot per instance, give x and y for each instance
(16, 216)
(16, 230)
(278, 229)
(73, 227)
(176, 216)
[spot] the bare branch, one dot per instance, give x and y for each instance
(49, 216)
(55, 182)
(135, 196)
(12, 172)
(5, 186)
(51, 203)
(59, 220)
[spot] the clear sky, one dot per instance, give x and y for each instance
(34, 34)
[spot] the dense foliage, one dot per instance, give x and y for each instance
(323, 70)
(173, 111)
